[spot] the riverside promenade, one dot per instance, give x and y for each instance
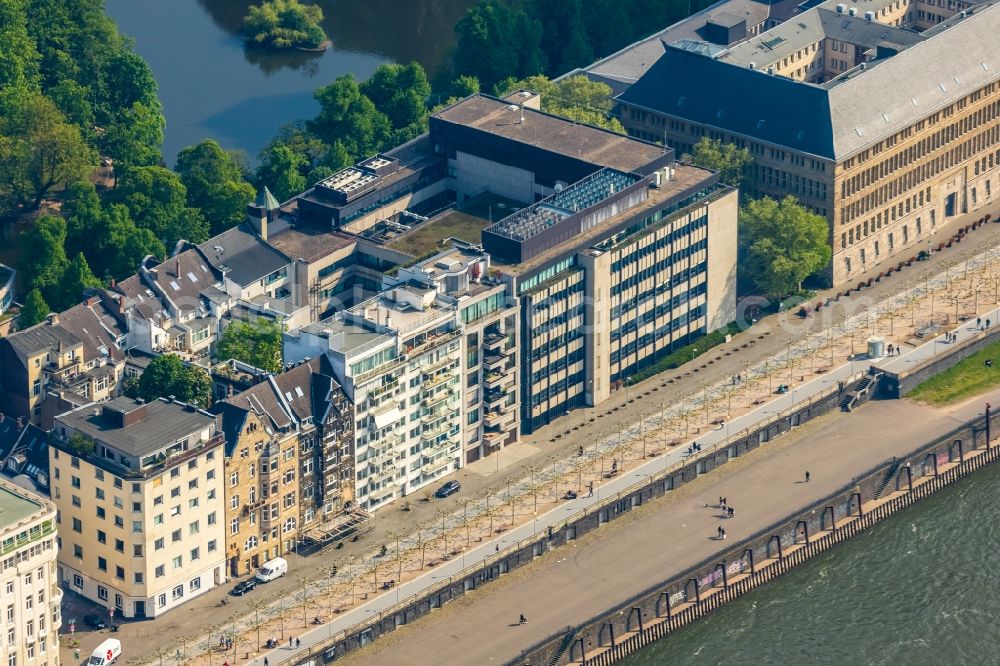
(847, 445)
(664, 537)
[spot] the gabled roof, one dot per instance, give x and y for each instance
(183, 277)
(243, 256)
(97, 328)
(42, 337)
(146, 303)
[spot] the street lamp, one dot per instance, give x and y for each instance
(694, 352)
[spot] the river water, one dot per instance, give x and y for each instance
(916, 589)
(212, 87)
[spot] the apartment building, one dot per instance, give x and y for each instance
(77, 355)
(288, 461)
(880, 115)
(489, 316)
(141, 499)
(29, 626)
(398, 357)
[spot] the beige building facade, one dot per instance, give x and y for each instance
(880, 116)
(29, 593)
(141, 500)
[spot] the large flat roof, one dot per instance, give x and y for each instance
(685, 178)
(428, 237)
(600, 147)
(302, 241)
(15, 506)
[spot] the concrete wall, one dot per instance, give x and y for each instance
(898, 385)
(721, 304)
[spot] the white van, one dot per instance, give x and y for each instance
(272, 569)
(106, 653)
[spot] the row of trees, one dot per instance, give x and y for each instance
(522, 38)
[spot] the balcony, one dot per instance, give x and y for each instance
(438, 397)
(494, 362)
(502, 419)
(385, 475)
(494, 343)
(437, 466)
(436, 381)
(499, 381)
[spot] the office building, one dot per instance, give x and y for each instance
(879, 115)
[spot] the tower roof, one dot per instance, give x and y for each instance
(266, 200)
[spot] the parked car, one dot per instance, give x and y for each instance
(94, 621)
(243, 587)
(272, 569)
(106, 653)
(449, 488)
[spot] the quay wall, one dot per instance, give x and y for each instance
(898, 385)
(867, 500)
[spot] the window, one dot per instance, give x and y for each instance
(175, 511)
(250, 544)
(137, 527)
(120, 573)
(234, 502)
(212, 546)
(75, 481)
(119, 545)
(158, 519)
(101, 537)
(194, 528)
(195, 553)
(177, 562)
(175, 472)
(158, 544)
(102, 593)
(119, 521)
(175, 492)
(137, 550)
(102, 563)
(178, 592)
(77, 552)
(194, 584)
(136, 507)
(77, 525)
(159, 571)
(175, 536)
(77, 581)
(211, 518)
(137, 577)
(234, 526)
(99, 493)
(192, 484)
(162, 600)
(234, 479)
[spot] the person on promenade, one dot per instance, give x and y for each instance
(266, 662)
(522, 619)
(289, 642)
(498, 548)
(590, 489)
(890, 350)
(722, 502)
(807, 476)
(722, 530)
(731, 511)
(297, 643)
(718, 531)
(987, 323)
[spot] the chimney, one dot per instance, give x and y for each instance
(121, 305)
(177, 267)
(53, 319)
(257, 219)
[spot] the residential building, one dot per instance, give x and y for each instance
(398, 357)
(489, 318)
(31, 595)
(24, 454)
(880, 115)
(76, 354)
(141, 498)
(288, 461)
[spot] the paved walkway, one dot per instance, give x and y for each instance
(771, 336)
(849, 371)
(666, 536)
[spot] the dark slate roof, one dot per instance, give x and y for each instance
(736, 99)
(143, 300)
(41, 337)
(24, 450)
(246, 256)
(164, 424)
(183, 277)
(97, 328)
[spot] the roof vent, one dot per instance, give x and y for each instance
(752, 65)
(853, 11)
(869, 16)
(863, 66)
(840, 8)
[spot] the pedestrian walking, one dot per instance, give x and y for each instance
(890, 350)
(522, 619)
(979, 322)
(297, 643)
(590, 489)
(289, 642)
(807, 476)
(498, 548)
(732, 511)
(723, 531)
(266, 662)
(722, 502)
(987, 323)
(718, 531)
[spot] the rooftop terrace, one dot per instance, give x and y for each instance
(15, 505)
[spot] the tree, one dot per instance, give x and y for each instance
(215, 184)
(496, 39)
(157, 200)
(463, 86)
(167, 375)
(347, 116)
(283, 24)
(257, 343)
(75, 280)
(576, 97)
(564, 38)
(732, 163)
(135, 137)
(19, 58)
(280, 171)
(401, 93)
(40, 151)
(781, 244)
(43, 254)
(34, 310)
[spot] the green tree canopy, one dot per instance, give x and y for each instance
(280, 170)
(781, 244)
(564, 38)
(401, 93)
(19, 59)
(39, 151)
(348, 117)
(215, 184)
(167, 375)
(135, 137)
(463, 86)
(43, 255)
(284, 24)
(157, 200)
(34, 310)
(255, 342)
(496, 39)
(75, 280)
(575, 97)
(732, 163)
